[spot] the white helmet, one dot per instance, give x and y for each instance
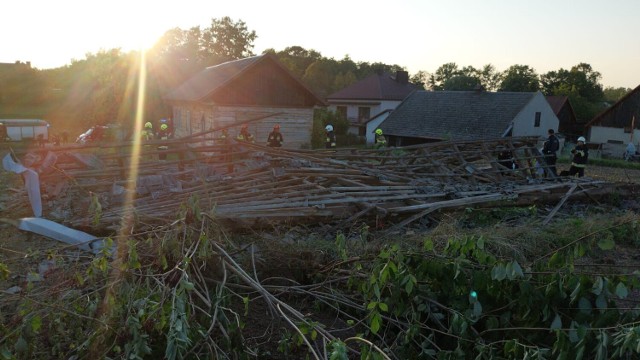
(581, 138)
(329, 127)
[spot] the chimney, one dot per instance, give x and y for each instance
(402, 77)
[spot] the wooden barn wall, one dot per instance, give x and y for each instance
(296, 123)
(264, 85)
(620, 116)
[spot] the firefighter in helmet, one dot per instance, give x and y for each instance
(275, 137)
(381, 141)
(330, 141)
(245, 135)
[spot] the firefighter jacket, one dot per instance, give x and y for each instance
(275, 139)
(330, 142)
(245, 136)
(381, 141)
(580, 156)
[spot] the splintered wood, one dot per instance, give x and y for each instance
(247, 184)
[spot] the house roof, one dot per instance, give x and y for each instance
(598, 118)
(556, 102)
(456, 115)
(215, 77)
(375, 87)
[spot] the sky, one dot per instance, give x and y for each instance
(419, 35)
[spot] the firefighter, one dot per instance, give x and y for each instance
(275, 137)
(330, 142)
(223, 139)
(147, 132)
(163, 134)
(381, 141)
(245, 135)
(580, 158)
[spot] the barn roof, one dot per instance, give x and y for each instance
(216, 77)
(627, 107)
(455, 115)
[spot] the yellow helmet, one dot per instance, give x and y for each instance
(379, 131)
(148, 125)
(164, 127)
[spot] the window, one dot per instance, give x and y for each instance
(537, 123)
(341, 112)
(363, 114)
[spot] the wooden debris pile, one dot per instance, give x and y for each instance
(252, 184)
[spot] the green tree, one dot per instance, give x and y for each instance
(420, 79)
(461, 83)
(490, 78)
(612, 95)
(581, 84)
(442, 74)
(319, 75)
(226, 40)
(520, 78)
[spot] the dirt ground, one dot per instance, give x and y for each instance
(20, 250)
(26, 255)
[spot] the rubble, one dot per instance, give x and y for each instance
(254, 185)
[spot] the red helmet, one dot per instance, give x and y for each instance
(276, 126)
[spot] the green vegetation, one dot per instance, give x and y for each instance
(503, 287)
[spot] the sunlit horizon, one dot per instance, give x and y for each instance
(418, 35)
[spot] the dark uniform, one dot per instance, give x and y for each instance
(275, 137)
(579, 161)
(549, 150)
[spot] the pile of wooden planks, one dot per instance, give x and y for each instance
(256, 185)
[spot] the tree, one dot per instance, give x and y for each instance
(520, 78)
(226, 40)
(319, 76)
(581, 85)
(461, 83)
(490, 78)
(442, 74)
(420, 79)
(612, 95)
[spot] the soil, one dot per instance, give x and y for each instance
(26, 254)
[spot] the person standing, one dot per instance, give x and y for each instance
(549, 150)
(580, 158)
(245, 135)
(330, 142)
(381, 141)
(275, 137)
(147, 133)
(163, 134)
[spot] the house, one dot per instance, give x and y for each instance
(428, 116)
(569, 125)
(618, 125)
(235, 92)
(370, 97)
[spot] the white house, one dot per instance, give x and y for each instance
(370, 97)
(427, 116)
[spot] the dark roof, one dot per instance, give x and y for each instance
(210, 79)
(455, 115)
(375, 87)
(611, 111)
(215, 77)
(556, 102)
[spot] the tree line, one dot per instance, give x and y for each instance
(104, 87)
